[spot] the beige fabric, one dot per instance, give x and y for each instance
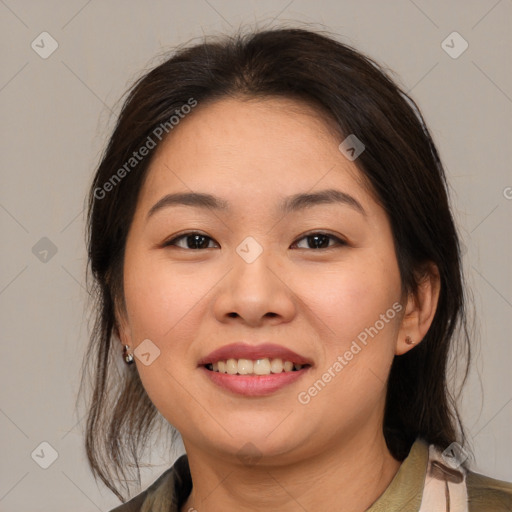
(445, 486)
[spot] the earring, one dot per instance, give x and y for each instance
(128, 358)
(409, 341)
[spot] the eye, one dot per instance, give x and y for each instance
(319, 240)
(193, 240)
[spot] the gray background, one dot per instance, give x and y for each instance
(57, 114)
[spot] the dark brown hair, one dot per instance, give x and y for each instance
(400, 163)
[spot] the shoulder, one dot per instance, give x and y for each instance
(135, 504)
(487, 494)
(466, 490)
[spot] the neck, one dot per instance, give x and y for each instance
(349, 478)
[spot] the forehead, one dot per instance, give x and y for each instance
(270, 147)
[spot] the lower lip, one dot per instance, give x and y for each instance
(254, 385)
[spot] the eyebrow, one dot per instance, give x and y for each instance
(290, 204)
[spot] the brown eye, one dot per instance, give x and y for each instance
(319, 240)
(192, 240)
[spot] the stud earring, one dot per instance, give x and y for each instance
(128, 358)
(409, 340)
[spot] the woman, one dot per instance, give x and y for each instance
(276, 261)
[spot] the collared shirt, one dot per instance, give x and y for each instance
(425, 482)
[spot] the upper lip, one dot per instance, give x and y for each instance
(242, 350)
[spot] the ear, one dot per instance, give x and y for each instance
(420, 310)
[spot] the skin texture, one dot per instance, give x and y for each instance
(331, 451)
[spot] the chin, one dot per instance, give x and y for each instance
(259, 441)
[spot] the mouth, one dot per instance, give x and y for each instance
(254, 370)
(249, 367)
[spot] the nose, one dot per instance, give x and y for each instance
(255, 293)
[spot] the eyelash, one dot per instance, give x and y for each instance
(339, 241)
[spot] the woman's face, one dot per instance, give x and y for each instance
(253, 276)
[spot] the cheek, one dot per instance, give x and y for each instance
(161, 298)
(352, 298)
(164, 306)
(359, 326)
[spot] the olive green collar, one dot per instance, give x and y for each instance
(405, 491)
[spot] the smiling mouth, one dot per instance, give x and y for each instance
(265, 366)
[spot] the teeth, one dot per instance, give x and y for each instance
(276, 365)
(264, 366)
(245, 366)
(231, 366)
